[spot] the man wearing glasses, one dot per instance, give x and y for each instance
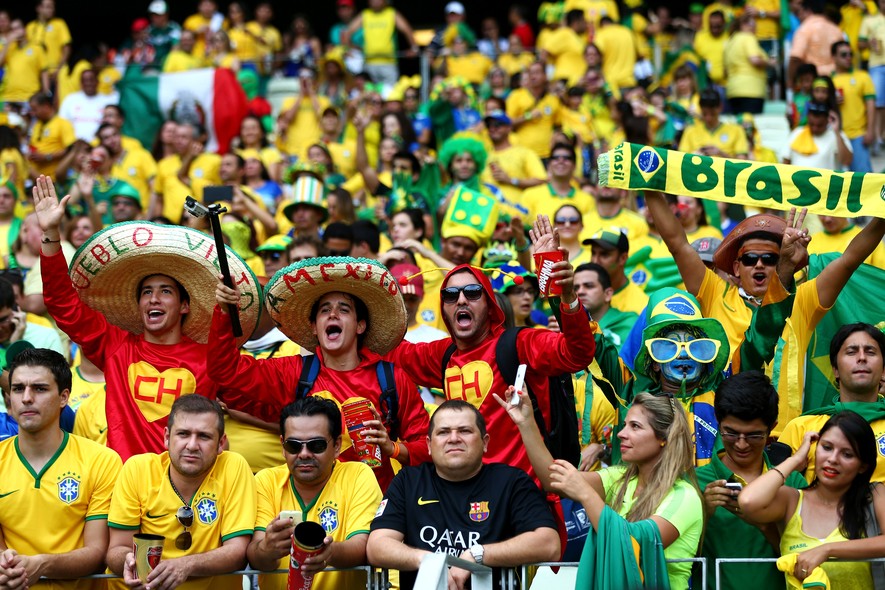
(746, 408)
(547, 198)
(197, 496)
(856, 96)
(342, 497)
(756, 251)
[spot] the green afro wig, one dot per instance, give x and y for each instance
(459, 145)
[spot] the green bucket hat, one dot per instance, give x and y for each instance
(669, 307)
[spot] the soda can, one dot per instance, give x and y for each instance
(147, 549)
(307, 541)
(356, 412)
(544, 262)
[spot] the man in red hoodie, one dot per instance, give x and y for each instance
(475, 323)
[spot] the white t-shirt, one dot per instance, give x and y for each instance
(827, 155)
(85, 112)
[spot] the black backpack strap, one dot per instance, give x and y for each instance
(389, 400)
(447, 356)
(310, 368)
(507, 359)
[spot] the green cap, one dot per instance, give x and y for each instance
(277, 243)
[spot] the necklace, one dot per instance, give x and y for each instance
(175, 489)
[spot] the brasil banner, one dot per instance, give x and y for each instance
(775, 186)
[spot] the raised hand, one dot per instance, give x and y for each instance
(48, 208)
(544, 237)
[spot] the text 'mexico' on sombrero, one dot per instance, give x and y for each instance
(293, 290)
(107, 269)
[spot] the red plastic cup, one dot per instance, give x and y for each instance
(307, 541)
(544, 262)
(356, 414)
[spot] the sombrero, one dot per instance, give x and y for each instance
(107, 269)
(764, 226)
(293, 290)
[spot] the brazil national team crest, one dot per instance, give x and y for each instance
(880, 444)
(329, 517)
(68, 489)
(207, 510)
(479, 511)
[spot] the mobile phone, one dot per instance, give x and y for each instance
(517, 385)
(295, 515)
(734, 485)
(214, 194)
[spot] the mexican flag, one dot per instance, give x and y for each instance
(859, 301)
(211, 97)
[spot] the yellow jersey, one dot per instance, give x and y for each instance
(517, 162)
(52, 36)
(194, 23)
(345, 507)
(618, 46)
(138, 168)
(856, 87)
(245, 46)
(567, 49)
(224, 508)
(81, 389)
(630, 297)
(513, 64)
(53, 136)
(630, 221)
(537, 132)
(767, 28)
(304, 131)
(74, 487)
(379, 35)
(594, 10)
(181, 61)
(712, 50)
(12, 162)
(728, 137)
(823, 242)
(24, 64)
(541, 200)
(67, 81)
(91, 421)
(473, 67)
(204, 171)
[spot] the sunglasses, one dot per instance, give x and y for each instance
(844, 54)
(185, 516)
(339, 252)
(560, 157)
(567, 220)
(452, 294)
(768, 259)
(316, 446)
(664, 350)
(520, 291)
(272, 256)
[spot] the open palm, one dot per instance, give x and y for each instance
(48, 208)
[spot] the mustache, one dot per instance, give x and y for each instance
(308, 462)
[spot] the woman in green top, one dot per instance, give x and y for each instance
(827, 519)
(656, 482)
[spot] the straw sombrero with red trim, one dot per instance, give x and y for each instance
(293, 290)
(108, 268)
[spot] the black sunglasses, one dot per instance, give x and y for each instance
(452, 294)
(185, 516)
(768, 259)
(316, 446)
(272, 256)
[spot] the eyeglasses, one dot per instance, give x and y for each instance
(844, 54)
(452, 294)
(185, 516)
(664, 350)
(339, 252)
(316, 446)
(752, 439)
(768, 259)
(567, 220)
(561, 157)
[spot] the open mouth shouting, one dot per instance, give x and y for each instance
(333, 332)
(759, 279)
(463, 318)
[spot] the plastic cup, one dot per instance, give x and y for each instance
(544, 262)
(307, 541)
(148, 549)
(356, 413)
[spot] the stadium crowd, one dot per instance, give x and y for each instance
(465, 311)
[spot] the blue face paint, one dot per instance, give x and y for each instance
(683, 367)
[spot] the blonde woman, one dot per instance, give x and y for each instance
(655, 483)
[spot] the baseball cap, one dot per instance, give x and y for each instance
(706, 247)
(344, 3)
(818, 108)
(497, 116)
(454, 7)
(276, 243)
(158, 7)
(409, 270)
(140, 24)
(610, 239)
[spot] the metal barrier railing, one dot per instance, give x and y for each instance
(721, 560)
(524, 569)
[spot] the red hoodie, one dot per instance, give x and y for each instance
(473, 375)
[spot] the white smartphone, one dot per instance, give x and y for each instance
(734, 485)
(517, 385)
(295, 515)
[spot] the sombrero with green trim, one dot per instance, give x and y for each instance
(668, 307)
(293, 290)
(108, 268)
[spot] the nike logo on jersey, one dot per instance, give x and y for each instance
(102, 430)
(7, 493)
(423, 502)
(149, 515)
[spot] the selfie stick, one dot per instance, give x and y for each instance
(213, 212)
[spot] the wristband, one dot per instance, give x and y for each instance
(395, 450)
(574, 305)
(779, 472)
(46, 240)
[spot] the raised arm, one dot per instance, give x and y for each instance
(833, 278)
(767, 498)
(690, 265)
